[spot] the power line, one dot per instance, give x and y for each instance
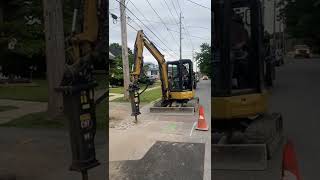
(137, 24)
(161, 20)
(174, 7)
(132, 27)
(146, 34)
(147, 21)
(187, 31)
(158, 22)
(145, 18)
(179, 6)
(199, 4)
(152, 42)
(189, 34)
(174, 20)
(146, 26)
(198, 27)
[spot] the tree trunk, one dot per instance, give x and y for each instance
(1, 11)
(55, 53)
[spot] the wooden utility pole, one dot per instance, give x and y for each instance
(180, 36)
(55, 53)
(194, 60)
(125, 59)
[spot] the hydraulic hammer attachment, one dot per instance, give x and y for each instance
(134, 96)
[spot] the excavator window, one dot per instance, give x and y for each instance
(186, 76)
(173, 76)
(237, 48)
(180, 75)
(239, 45)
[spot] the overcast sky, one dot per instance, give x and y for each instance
(196, 22)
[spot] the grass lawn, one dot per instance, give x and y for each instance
(38, 93)
(146, 97)
(41, 120)
(119, 90)
(7, 108)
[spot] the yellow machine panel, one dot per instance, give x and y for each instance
(241, 106)
(182, 95)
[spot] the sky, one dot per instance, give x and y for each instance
(195, 22)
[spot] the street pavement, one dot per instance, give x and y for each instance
(132, 144)
(44, 154)
(203, 91)
(296, 96)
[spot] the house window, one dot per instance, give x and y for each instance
(154, 72)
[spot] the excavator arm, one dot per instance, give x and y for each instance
(141, 42)
(86, 41)
(86, 44)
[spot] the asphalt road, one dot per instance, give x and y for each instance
(296, 96)
(203, 91)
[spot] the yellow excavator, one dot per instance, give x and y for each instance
(177, 80)
(245, 136)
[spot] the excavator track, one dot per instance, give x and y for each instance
(189, 108)
(248, 146)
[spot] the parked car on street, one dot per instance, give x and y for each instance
(205, 78)
(302, 51)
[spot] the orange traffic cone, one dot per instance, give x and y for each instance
(202, 124)
(290, 163)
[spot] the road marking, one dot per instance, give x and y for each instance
(194, 124)
(169, 128)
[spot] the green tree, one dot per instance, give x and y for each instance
(23, 27)
(22, 40)
(302, 20)
(204, 59)
(116, 70)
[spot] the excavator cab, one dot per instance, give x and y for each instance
(238, 84)
(180, 77)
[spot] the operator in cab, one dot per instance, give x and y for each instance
(239, 39)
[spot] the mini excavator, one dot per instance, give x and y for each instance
(177, 80)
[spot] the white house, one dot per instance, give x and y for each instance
(152, 70)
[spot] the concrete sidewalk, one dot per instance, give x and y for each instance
(23, 108)
(130, 141)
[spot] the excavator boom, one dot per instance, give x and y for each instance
(141, 42)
